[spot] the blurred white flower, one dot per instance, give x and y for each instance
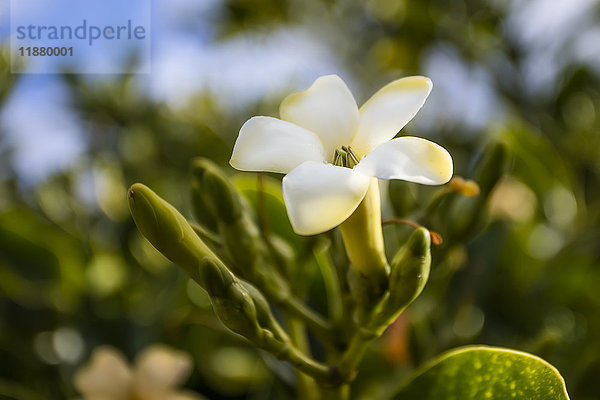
(158, 370)
(330, 149)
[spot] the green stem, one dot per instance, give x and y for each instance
(331, 281)
(315, 369)
(307, 388)
(314, 321)
(338, 393)
(285, 350)
(263, 222)
(354, 354)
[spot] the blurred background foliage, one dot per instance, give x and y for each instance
(520, 263)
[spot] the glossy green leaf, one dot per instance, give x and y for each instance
(480, 372)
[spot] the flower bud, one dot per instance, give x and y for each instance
(410, 269)
(232, 301)
(167, 230)
(265, 317)
(410, 272)
(236, 227)
(215, 278)
(172, 235)
(215, 191)
(200, 207)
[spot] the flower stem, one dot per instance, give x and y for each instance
(354, 354)
(319, 325)
(338, 393)
(306, 386)
(331, 281)
(302, 362)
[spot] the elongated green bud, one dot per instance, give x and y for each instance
(238, 305)
(241, 307)
(263, 311)
(236, 227)
(234, 307)
(203, 211)
(410, 269)
(216, 191)
(200, 207)
(167, 230)
(264, 315)
(410, 272)
(216, 278)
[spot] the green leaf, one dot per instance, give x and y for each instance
(481, 372)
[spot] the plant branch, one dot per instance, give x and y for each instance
(319, 325)
(307, 389)
(331, 281)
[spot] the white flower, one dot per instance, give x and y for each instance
(158, 370)
(330, 149)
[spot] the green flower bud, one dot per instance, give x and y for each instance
(200, 207)
(264, 315)
(237, 312)
(263, 311)
(173, 236)
(232, 301)
(410, 272)
(410, 269)
(218, 192)
(167, 230)
(215, 278)
(236, 227)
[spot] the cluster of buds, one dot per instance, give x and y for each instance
(239, 304)
(244, 288)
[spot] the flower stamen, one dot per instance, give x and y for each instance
(345, 157)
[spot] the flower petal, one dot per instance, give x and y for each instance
(272, 145)
(320, 196)
(386, 113)
(158, 370)
(409, 158)
(106, 376)
(326, 108)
